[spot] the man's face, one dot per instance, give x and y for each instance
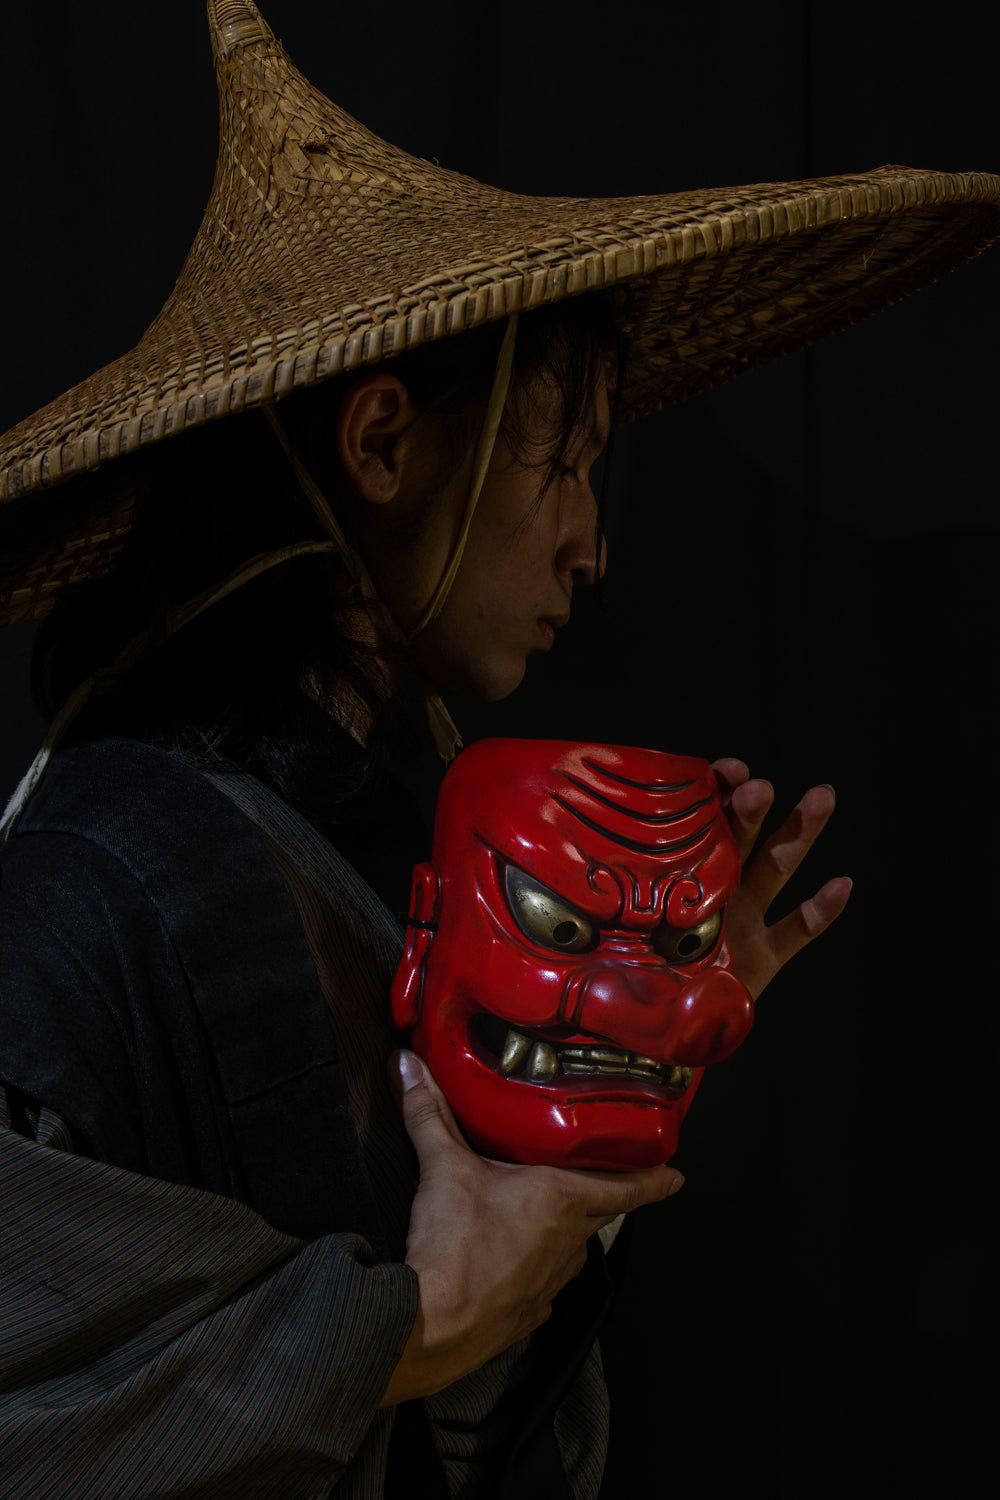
(532, 540)
(566, 975)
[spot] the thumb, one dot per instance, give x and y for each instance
(426, 1113)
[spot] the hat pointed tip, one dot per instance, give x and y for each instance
(236, 23)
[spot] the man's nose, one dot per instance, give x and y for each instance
(583, 551)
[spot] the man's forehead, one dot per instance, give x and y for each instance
(594, 428)
(541, 413)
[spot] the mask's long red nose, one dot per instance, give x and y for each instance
(652, 1012)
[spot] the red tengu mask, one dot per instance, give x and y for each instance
(566, 976)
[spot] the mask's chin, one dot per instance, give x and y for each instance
(555, 1098)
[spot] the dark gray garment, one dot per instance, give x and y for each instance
(182, 987)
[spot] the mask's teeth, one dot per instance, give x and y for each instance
(516, 1049)
(590, 1059)
(608, 1059)
(543, 1063)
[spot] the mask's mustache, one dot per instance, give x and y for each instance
(694, 1020)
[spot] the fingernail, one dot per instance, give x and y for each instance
(829, 788)
(676, 1185)
(411, 1070)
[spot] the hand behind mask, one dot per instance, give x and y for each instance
(566, 975)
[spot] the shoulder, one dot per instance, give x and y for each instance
(132, 891)
(124, 845)
(147, 809)
(124, 851)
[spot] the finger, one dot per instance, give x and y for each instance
(747, 803)
(426, 1113)
(749, 806)
(614, 1193)
(794, 932)
(730, 773)
(600, 1195)
(785, 850)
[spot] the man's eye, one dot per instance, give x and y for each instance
(683, 945)
(576, 469)
(545, 917)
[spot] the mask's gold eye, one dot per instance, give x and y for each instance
(682, 945)
(545, 917)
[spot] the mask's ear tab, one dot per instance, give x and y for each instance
(408, 985)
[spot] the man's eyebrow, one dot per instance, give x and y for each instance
(598, 436)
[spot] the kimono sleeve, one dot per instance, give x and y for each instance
(163, 1340)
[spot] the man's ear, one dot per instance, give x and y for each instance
(372, 423)
(408, 986)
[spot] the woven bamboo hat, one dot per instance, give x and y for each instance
(325, 249)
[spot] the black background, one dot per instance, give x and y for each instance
(802, 573)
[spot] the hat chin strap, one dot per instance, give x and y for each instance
(446, 736)
(104, 679)
(480, 466)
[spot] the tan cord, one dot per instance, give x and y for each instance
(446, 736)
(106, 677)
(447, 740)
(480, 467)
(321, 507)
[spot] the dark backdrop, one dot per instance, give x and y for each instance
(819, 1305)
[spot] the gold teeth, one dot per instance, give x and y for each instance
(516, 1049)
(541, 1062)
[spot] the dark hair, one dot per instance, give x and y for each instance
(244, 680)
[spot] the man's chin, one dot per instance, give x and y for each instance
(493, 682)
(451, 666)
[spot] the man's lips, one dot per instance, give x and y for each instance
(548, 625)
(536, 1059)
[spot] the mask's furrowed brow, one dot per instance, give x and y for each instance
(639, 814)
(635, 844)
(642, 786)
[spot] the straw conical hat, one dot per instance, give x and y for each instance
(324, 248)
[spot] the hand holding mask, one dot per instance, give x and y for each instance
(566, 976)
